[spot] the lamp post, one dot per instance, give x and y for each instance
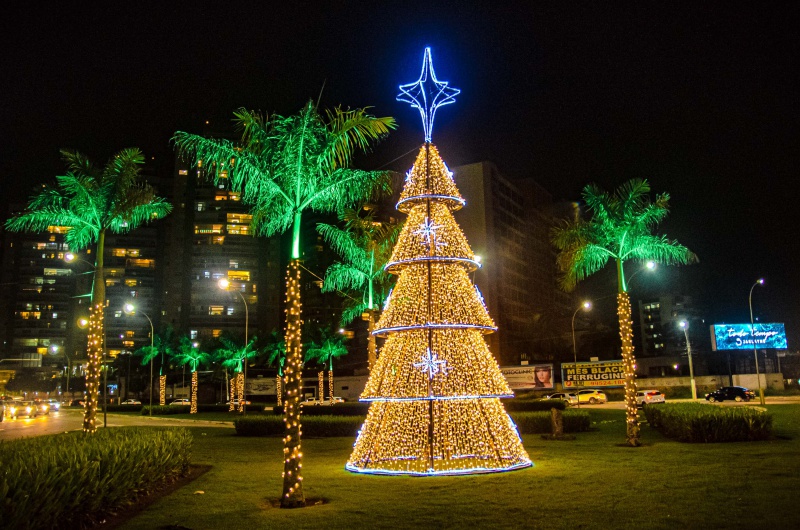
(649, 266)
(685, 326)
(585, 306)
(131, 310)
(224, 284)
(759, 281)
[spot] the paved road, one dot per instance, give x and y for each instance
(72, 420)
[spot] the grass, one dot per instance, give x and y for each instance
(593, 482)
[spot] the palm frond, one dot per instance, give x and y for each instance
(351, 130)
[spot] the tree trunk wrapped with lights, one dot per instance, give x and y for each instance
(240, 390)
(193, 407)
(435, 387)
(629, 365)
(95, 352)
(162, 390)
(293, 496)
(232, 400)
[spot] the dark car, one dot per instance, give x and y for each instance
(736, 393)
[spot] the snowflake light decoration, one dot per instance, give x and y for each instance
(428, 231)
(427, 94)
(431, 364)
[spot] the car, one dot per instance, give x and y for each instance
(42, 406)
(180, 401)
(649, 397)
(326, 401)
(77, 402)
(23, 408)
(736, 393)
(236, 402)
(591, 396)
(131, 402)
(55, 405)
(568, 398)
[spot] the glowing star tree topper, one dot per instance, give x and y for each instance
(427, 94)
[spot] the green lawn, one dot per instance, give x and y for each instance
(593, 482)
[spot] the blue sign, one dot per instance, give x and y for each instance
(742, 337)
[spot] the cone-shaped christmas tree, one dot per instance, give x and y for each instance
(435, 387)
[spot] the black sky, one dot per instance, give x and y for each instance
(699, 99)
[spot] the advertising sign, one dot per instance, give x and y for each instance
(594, 374)
(741, 337)
(529, 377)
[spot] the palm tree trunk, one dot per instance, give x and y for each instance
(279, 390)
(321, 380)
(240, 390)
(372, 346)
(232, 397)
(193, 407)
(162, 390)
(628, 362)
(292, 496)
(96, 341)
(330, 383)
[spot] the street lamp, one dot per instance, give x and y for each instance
(585, 306)
(759, 281)
(649, 266)
(224, 284)
(131, 310)
(685, 326)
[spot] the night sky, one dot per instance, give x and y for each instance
(697, 99)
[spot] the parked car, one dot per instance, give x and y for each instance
(236, 402)
(736, 393)
(180, 401)
(648, 397)
(592, 396)
(327, 401)
(131, 402)
(568, 398)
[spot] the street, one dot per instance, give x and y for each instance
(71, 419)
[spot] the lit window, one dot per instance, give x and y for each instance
(183, 172)
(133, 253)
(118, 252)
(216, 333)
(129, 334)
(230, 311)
(200, 206)
(127, 344)
(218, 240)
(239, 230)
(118, 314)
(193, 334)
(131, 282)
(142, 263)
(233, 264)
(57, 272)
(239, 275)
(215, 309)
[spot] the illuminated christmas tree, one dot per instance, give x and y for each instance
(435, 388)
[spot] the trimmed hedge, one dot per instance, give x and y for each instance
(122, 408)
(72, 480)
(166, 410)
(314, 426)
(349, 408)
(702, 423)
(515, 405)
(540, 422)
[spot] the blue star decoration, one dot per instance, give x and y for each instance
(427, 94)
(431, 364)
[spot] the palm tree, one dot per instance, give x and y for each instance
(620, 229)
(365, 246)
(284, 166)
(189, 353)
(91, 201)
(332, 346)
(276, 356)
(162, 344)
(232, 356)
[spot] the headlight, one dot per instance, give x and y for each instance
(13, 410)
(27, 409)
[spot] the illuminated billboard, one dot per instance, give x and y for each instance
(593, 374)
(529, 377)
(741, 337)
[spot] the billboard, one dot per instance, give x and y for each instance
(593, 374)
(741, 337)
(529, 377)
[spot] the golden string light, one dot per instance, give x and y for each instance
(321, 383)
(435, 385)
(162, 390)
(232, 400)
(95, 353)
(330, 384)
(193, 407)
(240, 390)
(278, 390)
(628, 364)
(292, 453)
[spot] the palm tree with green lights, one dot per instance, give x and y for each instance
(232, 356)
(189, 353)
(91, 201)
(620, 229)
(331, 347)
(275, 351)
(162, 345)
(284, 166)
(365, 246)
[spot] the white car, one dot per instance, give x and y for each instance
(181, 401)
(131, 402)
(568, 398)
(326, 401)
(648, 397)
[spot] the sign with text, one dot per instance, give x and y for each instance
(741, 337)
(593, 374)
(528, 377)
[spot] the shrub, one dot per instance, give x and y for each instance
(122, 408)
(515, 405)
(314, 426)
(702, 423)
(540, 422)
(71, 480)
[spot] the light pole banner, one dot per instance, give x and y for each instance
(529, 377)
(593, 374)
(741, 337)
